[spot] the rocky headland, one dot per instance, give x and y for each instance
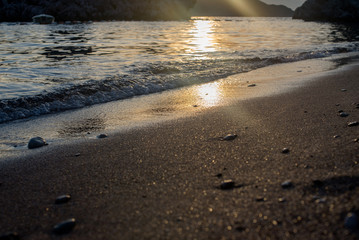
(328, 10)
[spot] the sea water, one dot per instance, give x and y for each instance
(54, 68)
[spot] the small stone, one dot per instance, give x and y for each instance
(336, 136)
(343, 114)
(10, 236)
(282, 200)
(77, 154)
(63, 199)
(343, 90)
(102, 135)
(219, 175)
(351, 221)
(227, 184)
(36, 142)
(287, 184)
(252, 85)
(285, 150)
(195, 106)
(340, 111)
(353, 124)
(229, 137)
(320, 200)
(261, 199)
(64, 227)
(356, 140)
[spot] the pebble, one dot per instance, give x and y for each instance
(227, 184)
(219, 175)
(261, 199)
(229, 137)
(287, 184)
(336, 136)
(252, 85)
(353, 124)
(77, 154)
(195, 106)
(36, 142)
(351, 221)
(64, 227)
(102, 135)
(282, 200)
(343, 90)
(10, 236)
(344, 114)
(285, 150)
(63, 199)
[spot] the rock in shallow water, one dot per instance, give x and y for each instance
(36, 142)
(64, 227)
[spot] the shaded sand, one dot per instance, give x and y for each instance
(163, 181)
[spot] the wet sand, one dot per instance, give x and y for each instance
(163, 181)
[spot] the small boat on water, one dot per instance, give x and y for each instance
(43, 19)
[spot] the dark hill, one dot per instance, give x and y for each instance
(83, 10)
(245, 8)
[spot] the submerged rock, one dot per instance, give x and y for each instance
(36, 142)
(64, 227)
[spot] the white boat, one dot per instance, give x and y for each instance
(43, 19)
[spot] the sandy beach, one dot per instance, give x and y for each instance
(164, 181)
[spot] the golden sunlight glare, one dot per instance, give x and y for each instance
(202, 36)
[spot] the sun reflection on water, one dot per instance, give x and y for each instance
(202, 37)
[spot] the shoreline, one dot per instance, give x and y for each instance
(74, 126)
(163, 181)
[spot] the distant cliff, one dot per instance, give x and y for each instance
(329, 10)
(82, 10)
(245, 8)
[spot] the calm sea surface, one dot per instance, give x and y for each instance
(52, 68)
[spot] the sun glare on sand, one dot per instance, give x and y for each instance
(209, 94)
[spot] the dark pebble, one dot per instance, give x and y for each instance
(36, 142)
(240, 229)
(351, 221)
(344, 114)
(77, 154)
(10, 236)
(356, 140)
(103, 135)
(340, 111)
(229, 137)
(252, 85)
(343, 90)
(64, 227)
(260, 199)
(287, 184)
(195, 106)
(336, 136)
(227, 184)
(285, 150)
(219, 175)
(353, 124)
(63, 199)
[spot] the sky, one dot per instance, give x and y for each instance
(293, 4)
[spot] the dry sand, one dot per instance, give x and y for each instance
(163, 181)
